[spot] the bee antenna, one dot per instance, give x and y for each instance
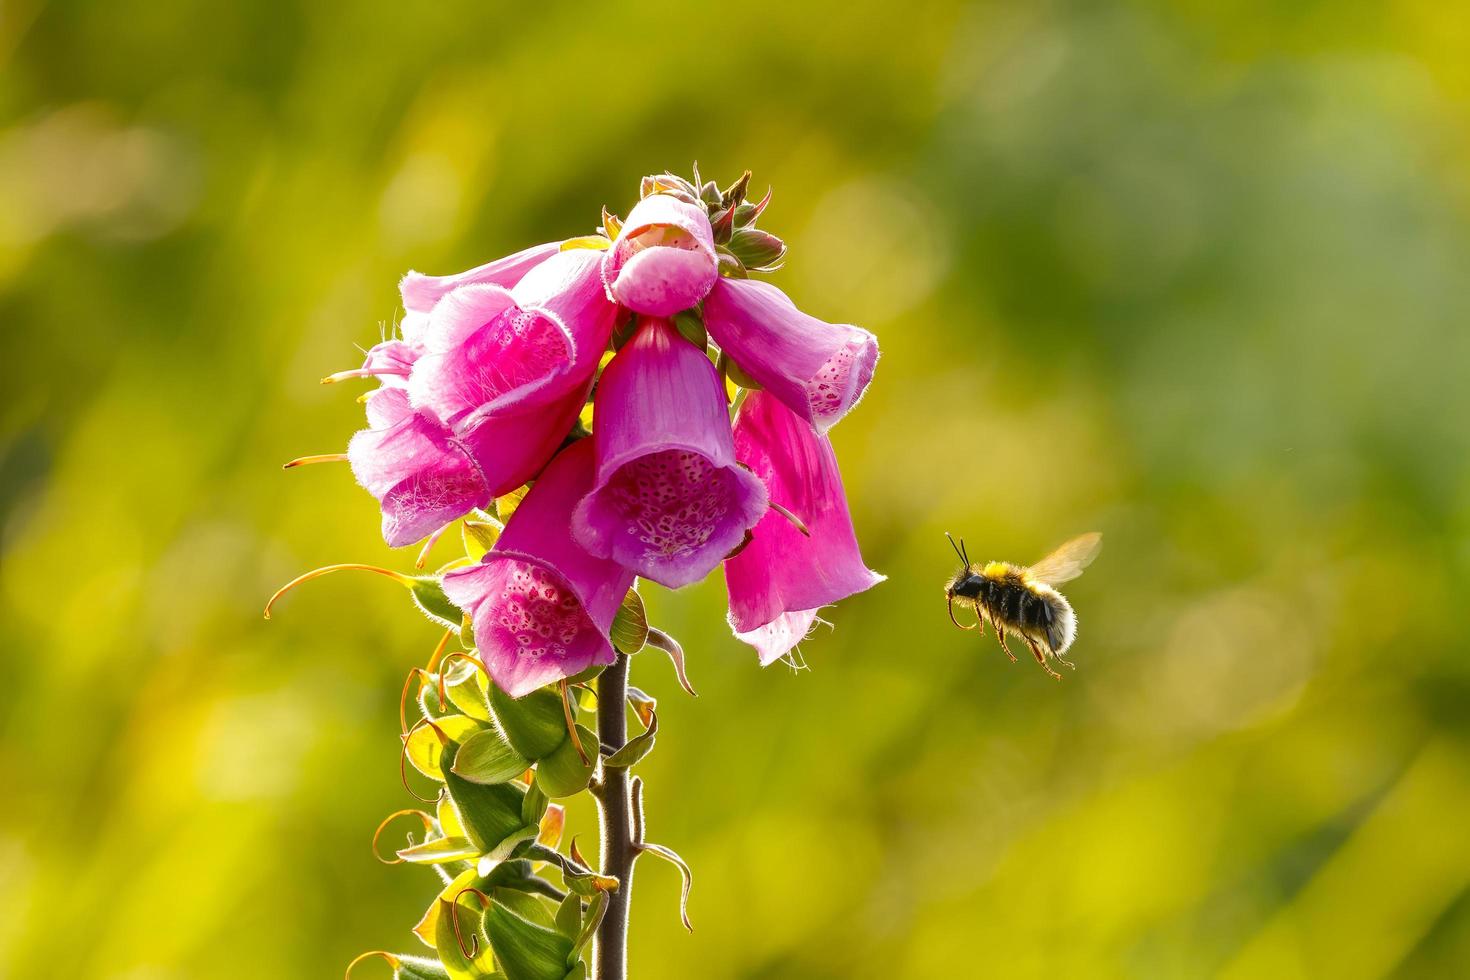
(959, 549)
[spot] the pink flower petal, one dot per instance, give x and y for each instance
(819, 370)
(413, 466)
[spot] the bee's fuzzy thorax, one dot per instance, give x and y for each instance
(998, 570)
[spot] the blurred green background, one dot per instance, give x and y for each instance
(1195, 277)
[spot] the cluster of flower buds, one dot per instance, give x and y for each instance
(668, 411)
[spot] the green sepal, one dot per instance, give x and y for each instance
(527, 906)
(635, 748)
(563, 773)
(757, 249)
(595, 911)
(569, 916)
(502, 852)
(464, 685)
(428, 595)
(533, 805)
(534, 725)
(440, 851)
(479, 532)
(691, 327)
(446, 942)
(406, 967)
(577, 972)
(487, 758)
(524, 949)
(489, 814)
(630, 626)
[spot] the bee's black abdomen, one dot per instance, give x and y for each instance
(1035, 613)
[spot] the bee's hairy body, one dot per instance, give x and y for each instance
(1015, 602)
(1022, 600)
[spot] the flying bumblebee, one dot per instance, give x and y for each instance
(1021, 600)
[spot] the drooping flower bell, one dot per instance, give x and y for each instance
(819, 370)
(410, 461)
(670, 500)
(780, 580)
(664, 258)
(541, 606)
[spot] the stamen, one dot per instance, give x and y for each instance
(428, 822)
(398, 577)
(308, 460)
(796, 522)
(566, 708)
(332, 379)
(423, 557)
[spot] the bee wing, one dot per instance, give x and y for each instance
(1068, 561)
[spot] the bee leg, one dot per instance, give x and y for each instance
(1041, 657)
(1000, 631)
(1061, 659)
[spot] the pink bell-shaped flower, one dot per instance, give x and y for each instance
(818, 369)
(670, 500)
(779, 581)
(421, 475)
(664, 259)
(542, 606)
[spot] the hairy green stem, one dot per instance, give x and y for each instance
(614, 807)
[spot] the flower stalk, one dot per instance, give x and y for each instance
(615, 819)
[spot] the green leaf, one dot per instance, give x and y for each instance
(534, 725)
(630, 626)
(487, 758)
(525, 950)
(440, 851)
(563, 773)
(635, 748)
(577, 972)
(489, 814)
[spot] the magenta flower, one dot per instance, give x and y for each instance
(818, 369)
(670, 500)
(491, 350)
(541, 606)
(664, 259)
(410, 461)
(780, 580)
(421, 292)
